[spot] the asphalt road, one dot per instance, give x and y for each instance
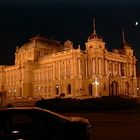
(109, 125)
(113, 125)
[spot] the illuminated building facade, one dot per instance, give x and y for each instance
(46, 68)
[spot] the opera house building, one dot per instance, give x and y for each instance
(46, 68)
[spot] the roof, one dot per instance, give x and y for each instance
(41, 42)
(94, 36)
(126, 45)
(71, 119)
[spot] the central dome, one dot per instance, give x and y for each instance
(94, 36)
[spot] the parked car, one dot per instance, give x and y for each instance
(32, 123)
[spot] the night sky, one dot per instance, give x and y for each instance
(21, 20)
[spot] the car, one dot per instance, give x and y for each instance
(32, 123)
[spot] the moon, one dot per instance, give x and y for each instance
(136, 23)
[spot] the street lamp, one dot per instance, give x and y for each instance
(14, 91)
(109, 84)
(39, 93)
(57, 89)
(137, 90)
(96, 83)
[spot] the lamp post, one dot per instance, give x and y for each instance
(96, 83)
(39, 93)
(15, 96)
(57, 89)
(132, 87)
(109, 76)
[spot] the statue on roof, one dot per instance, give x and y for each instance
(17, 48)
(68, 45)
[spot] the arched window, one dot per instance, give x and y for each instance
(127, 88)
(90, 89)
(57, 89)
(114, 88)
(69, 89)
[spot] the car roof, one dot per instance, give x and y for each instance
(36, 108)
(72, 119)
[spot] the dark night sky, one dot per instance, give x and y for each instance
(62, 20)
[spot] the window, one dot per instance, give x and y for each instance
(39, 54)
(122, 69)
(24, 123)
(69, 89)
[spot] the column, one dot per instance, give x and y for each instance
(125, 70)
(126, 67)
(53, 71)
(79, 65)
(129, 65)
(119, 69)
(113, 69)
(86, 68)
(106, 72)
(59, 63)
(134, 70)
(100, 67)
(93, 65)
(65, 77)
(103, 66)
(96, 66)
(86, 65)
(75, 66)
(130, 69)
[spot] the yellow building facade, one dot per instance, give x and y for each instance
(46, 68)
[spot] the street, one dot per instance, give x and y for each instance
(109, 125)
(119, 125)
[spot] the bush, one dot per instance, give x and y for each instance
(91, 104)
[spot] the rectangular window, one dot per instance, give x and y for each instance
(122, 69)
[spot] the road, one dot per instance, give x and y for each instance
(118, 125)
(109, 125)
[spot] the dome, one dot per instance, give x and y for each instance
(38, 38)
(94, 36)
(41, 42)
(126, 45)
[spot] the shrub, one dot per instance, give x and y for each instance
(91, 104)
